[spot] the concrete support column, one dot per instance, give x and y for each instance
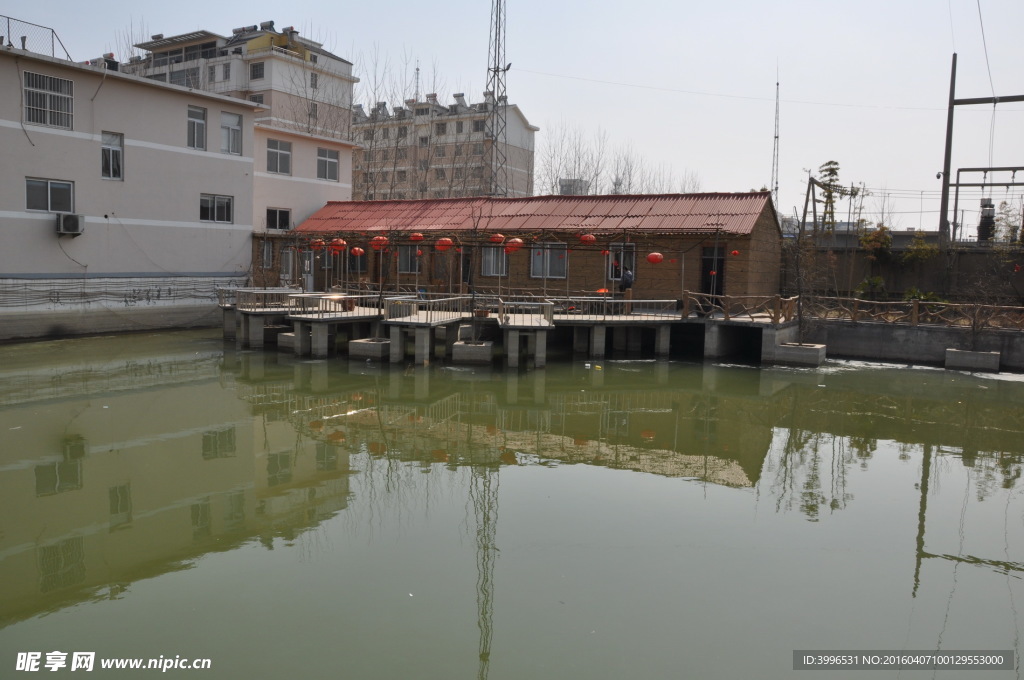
(397, 344)
(243, 330)
(375, 329)
(319, 340)
(422, 383)
(597, 334)
(580, 339)
(424, 343)
(302, 338)
(540, 348)
(451, 335)
(512, 348)
(256, 331)
(229, 323)
(713, 341)
(663, 333)
(619, 338)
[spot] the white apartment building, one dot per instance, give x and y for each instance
(124, 202)
(426, 149)
(303, 148)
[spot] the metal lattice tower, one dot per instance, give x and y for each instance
(496, 70)
(775, 150)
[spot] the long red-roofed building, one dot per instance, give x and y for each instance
(714, 243)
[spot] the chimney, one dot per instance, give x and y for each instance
(432, 97)
(488, 97)
(410, 103)
(460, 99)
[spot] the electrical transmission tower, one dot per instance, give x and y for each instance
(496, 70)
(775, 151)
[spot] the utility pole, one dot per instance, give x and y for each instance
(775, 150)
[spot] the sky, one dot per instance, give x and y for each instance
(689, 86)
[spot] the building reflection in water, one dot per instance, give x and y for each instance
(118, 469)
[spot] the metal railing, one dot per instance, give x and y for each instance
(527, 312)
(426, 309)
(333, 305)
(263, 299)
(32, 37)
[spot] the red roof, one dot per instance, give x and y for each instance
(666, 213)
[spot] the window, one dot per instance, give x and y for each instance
(439, 173)
(458, 127)
(327, 164)
(621, 255)
(313, 110)
(287, 265)
(49, 194)
(478, 172)
(424, 141)
(479, 125)
(112, 151)
(211, 72)
(401, 175)
(267, 254)
(226, 71)
(408, 262)
(424, 164)
(357, 263)
(187, 77)
(368, 156)
(385, 155)
(256, 70)
(201, 519)
(314, 80)
(120, 506)
(279, 157)
(279, 468)
(385, 133)
(219, 443)
(367, 135)
(440, 128)
(196, 128)
(460, 173)
(548, 261)
(478, 149)
(439, 151)
(64, 475)
(423, 111)
(313, 58)
(61, 564)
(231, 133)
(403, 131)
(279, 218)
(401, 154)
(214, 208)
(256, 98)
(493, 261)
(458, 149)
(49, 101)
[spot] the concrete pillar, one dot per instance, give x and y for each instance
(634, 339)
(255, 331)
(229, 323)
(540, 348)
(713, 341)
(580, 339)
(397, 344)
(451, 334)
(319, 340)
(531, 343)
(597, 334)
(424, 343)
(318, 376)
(243, 330)
(375, 329)
(422, 382)
(512, 348)
(661, 372)
(302, 338)
(619, 338)
(663, 334)
(539, 384)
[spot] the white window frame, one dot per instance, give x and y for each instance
(231, 133)
(220, 209)
(287, 274)
(257, 70)
(267, 254)
(544, 255)
(625, 255)
(278, 214)
(327, 162)
(52, 205)
(196, 128)
(226, 71)
(49, 100)
(408, 262)
(493, 261)
(279, 157)
(112, 155)
(314, 80)
(256, 98)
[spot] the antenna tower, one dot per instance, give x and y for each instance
(775, 150)
(496, 70)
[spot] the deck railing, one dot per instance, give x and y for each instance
(604, 306)
(426, 309)
(263, 299)
(508, 309)
(773, 308)
(916, 312)
(333, 305)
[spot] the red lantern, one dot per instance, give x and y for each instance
(735, 253)
(378, 242)
(515, 244)
(606, 252)
(713, 272)
(655, 258)
(648, 435)
(337, 245)
(443, 244)
(415, 236)
(588, 238)
(419, 253)
(317, 244)
(357, 251)
(497, 238)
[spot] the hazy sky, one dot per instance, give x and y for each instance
(686, 84)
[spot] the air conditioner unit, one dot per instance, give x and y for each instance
(69, 223)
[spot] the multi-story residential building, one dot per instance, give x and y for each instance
(303, 146)
(425, 149)
(124, 202)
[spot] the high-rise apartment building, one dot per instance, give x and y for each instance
(426, 149)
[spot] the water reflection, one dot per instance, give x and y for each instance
(125, 460)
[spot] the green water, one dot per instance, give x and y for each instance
(169, 495)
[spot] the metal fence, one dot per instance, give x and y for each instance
(31, 37)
